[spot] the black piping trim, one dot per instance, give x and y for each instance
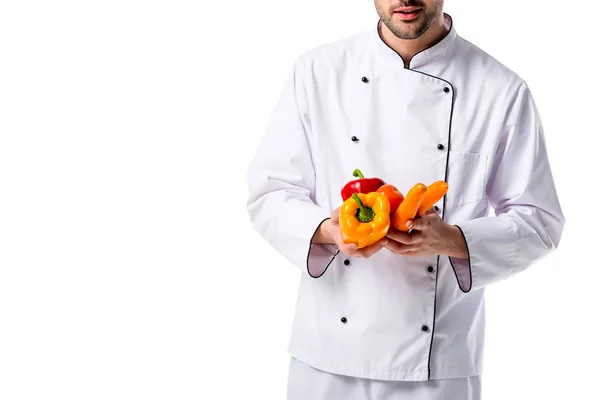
(469, 258)
(443, 214)
(407, 66)
(308, 253)
(445, 179)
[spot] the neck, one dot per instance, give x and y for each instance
(407, 48)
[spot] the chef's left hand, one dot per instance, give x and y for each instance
(429, 236)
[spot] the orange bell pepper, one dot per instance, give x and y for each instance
(365, 218)
(393, 195)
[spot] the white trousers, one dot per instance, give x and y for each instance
(308, 383)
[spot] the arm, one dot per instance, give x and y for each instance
(529, 222)
(281, 182)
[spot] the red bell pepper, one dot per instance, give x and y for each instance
(361, 185)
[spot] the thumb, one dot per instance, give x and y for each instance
(335, 216)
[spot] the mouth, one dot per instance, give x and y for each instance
(408, 13)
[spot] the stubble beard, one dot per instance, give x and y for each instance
(412, 29)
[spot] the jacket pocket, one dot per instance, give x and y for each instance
(466, 177)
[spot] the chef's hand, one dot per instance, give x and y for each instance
(429, 235)
(331, 232)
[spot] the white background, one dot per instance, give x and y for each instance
(126, 255)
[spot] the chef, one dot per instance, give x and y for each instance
(408, 101)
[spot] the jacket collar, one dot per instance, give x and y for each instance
(424, 57)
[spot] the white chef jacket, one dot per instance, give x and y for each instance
(455, 114)
(307, 383)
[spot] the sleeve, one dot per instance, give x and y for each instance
(528, 221)
(281, 183)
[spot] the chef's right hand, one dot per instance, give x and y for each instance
(335, 233)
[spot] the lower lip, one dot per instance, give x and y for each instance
(408, 16)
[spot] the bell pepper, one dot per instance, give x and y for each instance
(361, 185)
(393, 195)
(365, 218)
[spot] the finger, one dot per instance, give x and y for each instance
(431, 211)
(371, 250)
(367, 253)
(402, 237)
(402, 249)
(396, 247)
(409, 253)
(344, 247)
(348, 248)
(421, 223)
(415, 224)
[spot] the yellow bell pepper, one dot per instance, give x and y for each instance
(365, 218)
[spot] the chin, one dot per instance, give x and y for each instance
(407, 33)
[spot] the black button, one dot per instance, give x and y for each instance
(441, 146)
(344, 320)
(446, 90)
(436, 208)
(346, 262)
(424, 328)
(354, 139)
(364, 79)
(430, 269)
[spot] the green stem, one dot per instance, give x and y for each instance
(358, 174)
(364, 213)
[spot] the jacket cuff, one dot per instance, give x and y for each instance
(319, 256)
(462, 267)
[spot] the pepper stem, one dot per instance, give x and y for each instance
(364, 213)
(358, 174)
